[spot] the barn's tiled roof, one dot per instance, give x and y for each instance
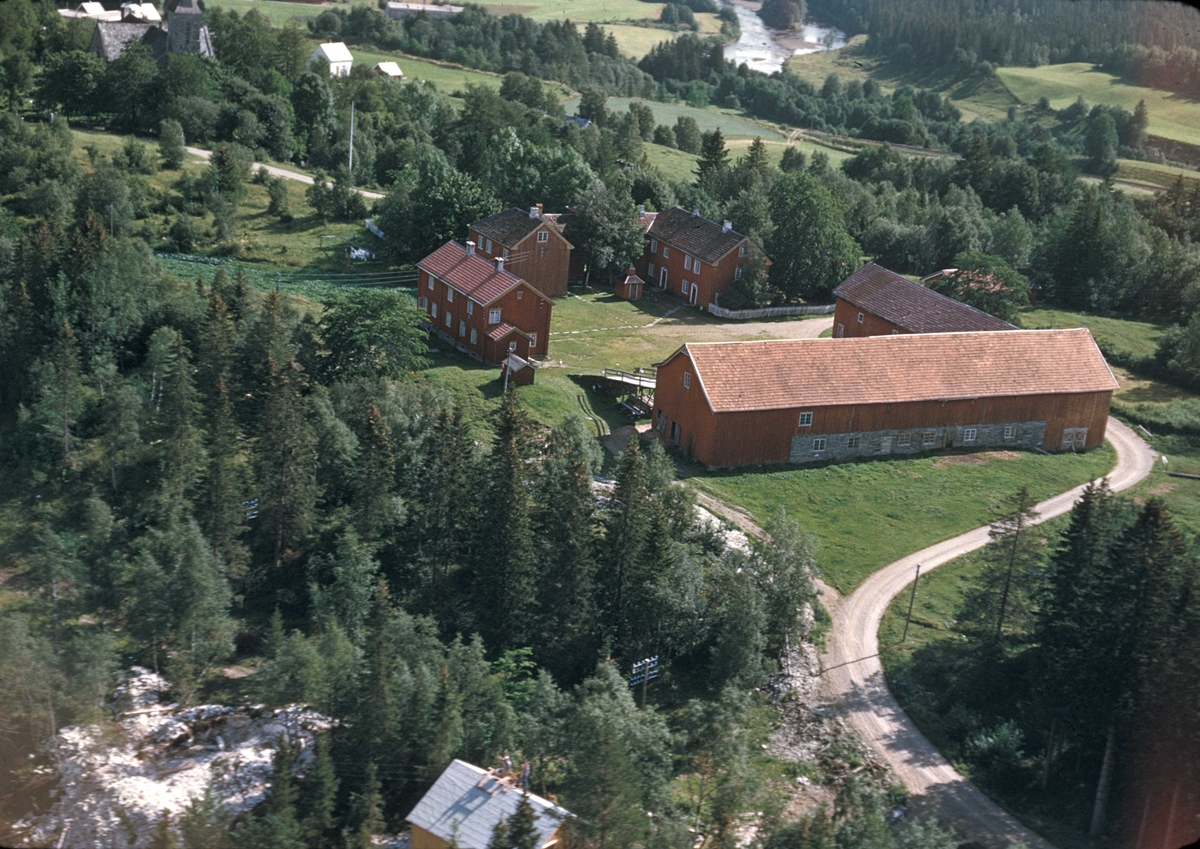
(910, 305)
(503, 329)
(474, 276)
(694, 235)
(466, 803)
(509, 227)
(738, 376)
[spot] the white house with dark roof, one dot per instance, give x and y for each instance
(465, 804)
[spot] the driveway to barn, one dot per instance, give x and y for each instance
(279, 172)
(853, 677)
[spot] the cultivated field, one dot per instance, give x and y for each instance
(732, 126)
(1171, 116)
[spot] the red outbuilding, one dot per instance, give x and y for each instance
(811, 400)
(876, 302)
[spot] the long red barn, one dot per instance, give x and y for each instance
(812, 400)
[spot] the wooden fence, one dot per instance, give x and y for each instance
(770, 312)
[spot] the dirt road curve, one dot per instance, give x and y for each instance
(853, 677)
(279, 172)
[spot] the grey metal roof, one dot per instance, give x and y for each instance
(467, 802)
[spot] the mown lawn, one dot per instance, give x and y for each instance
(448, 78)
(680, 165)
(1138, 338)
(865, 515)
(578, 10)
(732, 126)
(1171, 115)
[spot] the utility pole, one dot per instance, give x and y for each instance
(110, 219)
(351, 143)
(911, 599)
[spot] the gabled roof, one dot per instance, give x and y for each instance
(467, 802)
(503, 329)
(910, 305)
(474, 276)
(141, 12)
(692, 234)
(110, 39)
(390, 69)
(741, 376)
(512, 225)
(183, 7)
(334, 51)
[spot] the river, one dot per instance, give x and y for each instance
(762, 48)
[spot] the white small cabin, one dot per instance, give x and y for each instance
(336, 55)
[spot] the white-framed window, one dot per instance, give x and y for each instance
(654, 246)
(737, 273)
(505, 253)
(968, 434)
(462, 328)
(424, 302)
(543, 236)
(489, 245)
(687, 263)
(841, 330)
(474, 335)
(685, 286)
(433, 310)
(650, 270)
(852, 442)
(1010, 431)
(449, 319)
(429, 284)
(470, 307)
(449, 294)
(904, 440)
(819, 444)
(742, 250)
(494, 316)
(929, 437)
(806, 420)
(687, 380)
(860, 318)
(666, 252)
(512, 346)
(520, 294)
(532, 340)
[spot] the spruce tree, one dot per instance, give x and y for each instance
(368, 812)
(627, 524)
(1004, 590)
(177, 411)
(318, 798)
(376, 508)
(713, 155)
(171, 144)
(505, 568)
(204, 822)
(63, 393)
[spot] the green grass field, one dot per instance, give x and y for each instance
(279, 13)
(865, 515)
(448, 78)
(732, 126)
(680, 165)
(579, 10)
(1171, 116)
(1138, 338)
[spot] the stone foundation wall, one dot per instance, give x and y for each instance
(880, 443)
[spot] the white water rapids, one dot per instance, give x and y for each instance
(758, 48)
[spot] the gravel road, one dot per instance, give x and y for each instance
(853, 678)
(279, 172)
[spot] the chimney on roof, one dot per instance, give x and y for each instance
(499, 263)
(470, 249)
(727, 226)
(539, 209)
(695, 212)
(641, 210)
(533, 212)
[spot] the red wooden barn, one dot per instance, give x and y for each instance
(691, 256)
(876, 302)
(530, 243)
(480, 307)
(810, 400)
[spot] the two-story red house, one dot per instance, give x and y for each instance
(531, 244)
(876, 302)
(482, 308)
(691, 256)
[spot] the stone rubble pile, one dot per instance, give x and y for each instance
(117, 781)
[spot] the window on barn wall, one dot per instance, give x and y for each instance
(819, 444)
(860, 318)
(1009, 431)
(687, 380)
(929, 437)
(904, 440)
(806, 420)
(969, 434)
(520, 294)
(852, 442)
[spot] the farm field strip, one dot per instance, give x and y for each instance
(706, 119)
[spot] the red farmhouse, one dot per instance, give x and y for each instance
(691, 256)
(530, 243)
(876, 302)
(473, 302)
(811, 400)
